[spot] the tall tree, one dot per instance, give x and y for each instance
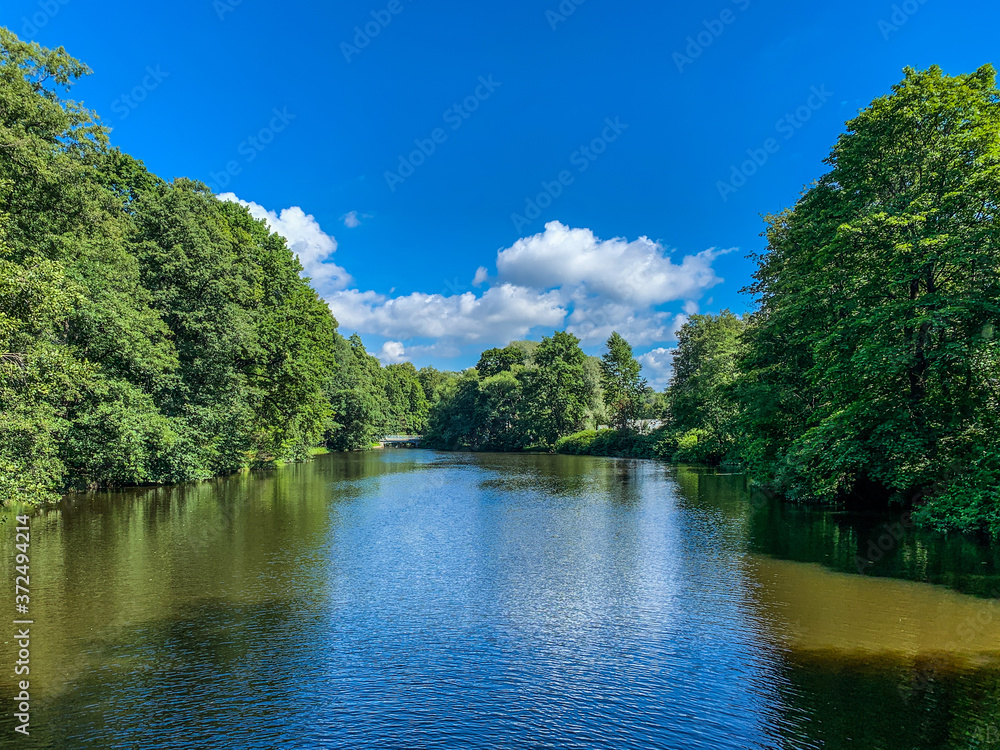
(700, 399)
(871, 366)
(560, 392)
(361, 410)
(455, 418)
(433, 381)
(622, 384)
(408, 405)
(501, 416)
(148, 331)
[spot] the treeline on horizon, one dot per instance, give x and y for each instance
(150, 333)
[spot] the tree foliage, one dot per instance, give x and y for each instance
(408, 407)
(623, 387)
(361, 410)
(560, 391)
(494, 361)
(148, 331)
(517, 397)
(700, 401)
(871, 367)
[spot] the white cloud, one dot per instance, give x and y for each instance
(639, 273)
(657, 367)
(593, 321)
(679, 322)
(502, 313)
(559, 278)
(313, 246)
(610, 285)
(392, 352)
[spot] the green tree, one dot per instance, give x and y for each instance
(433, 381)
(495, 361)
(500, 417)
(560, 393)
(408, 405)
(454, 421)
(653, 404)
(871, 366)
(481, 413)
(701, 405)
(148, 331)
(620, 380)
(361, 410)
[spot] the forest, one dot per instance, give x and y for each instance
(151, 333)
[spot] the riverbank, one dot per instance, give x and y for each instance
(664, 444)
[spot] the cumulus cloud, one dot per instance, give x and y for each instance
(560, 278)
(392, 352)
(657, 366)
(639, 273)
(313, 246)
(502, 313)
(593, 321)
(610, 285)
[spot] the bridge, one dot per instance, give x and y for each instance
(401, 441)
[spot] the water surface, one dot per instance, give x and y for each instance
(412, 599)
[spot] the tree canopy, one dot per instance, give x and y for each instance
(149, 332)
(871, 366)
(622, 385)
(518, 396)
(699, 399)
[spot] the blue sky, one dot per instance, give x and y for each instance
(403, 164)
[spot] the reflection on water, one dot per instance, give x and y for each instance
(412, 599)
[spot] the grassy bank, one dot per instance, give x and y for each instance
(666, 444)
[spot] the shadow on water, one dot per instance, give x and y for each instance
(879, 544)
(890, 637)
(207, 676)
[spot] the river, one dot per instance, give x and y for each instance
(413, 599)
